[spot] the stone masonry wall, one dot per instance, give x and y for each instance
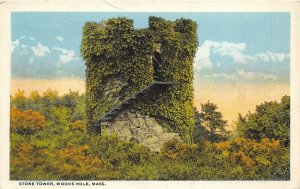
(132, 125)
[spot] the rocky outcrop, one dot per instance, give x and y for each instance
(132, 125)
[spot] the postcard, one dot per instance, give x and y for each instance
(144, 94)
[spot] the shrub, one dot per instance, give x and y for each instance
(175, 149)
(26, 122)
(78, 125)
(75, 162)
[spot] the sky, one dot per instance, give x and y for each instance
(242, 60)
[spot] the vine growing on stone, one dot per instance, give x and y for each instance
(114, 50)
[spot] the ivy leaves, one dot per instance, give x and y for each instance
(113, 48)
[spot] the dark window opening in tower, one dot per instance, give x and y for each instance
(156, 62)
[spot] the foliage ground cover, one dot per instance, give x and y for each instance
(49, 142)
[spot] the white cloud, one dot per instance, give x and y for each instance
(272, 57)
(20, 43)
(221, 75)
(202, 57)
(22, 49)
(246, 75)
(234, 50)
(59, 38)
(242, 74)
(40, 50)
(66, 55)
(255, 76)
(15, 44)
(29, 37)
(228, 48)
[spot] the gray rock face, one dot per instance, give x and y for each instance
(112, 89)
(132, 125)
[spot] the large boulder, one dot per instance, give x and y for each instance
(130, 125)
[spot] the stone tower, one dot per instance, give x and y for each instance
(139, 81)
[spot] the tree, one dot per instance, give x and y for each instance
(50, 97)
(270, 120)
(35, 96)
(76, 104)
(201, 133)
(35, 102)
(19, 100)
(71, 99)
(58, 116)
(212, 119)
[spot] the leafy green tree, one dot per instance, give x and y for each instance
(201, 133)
(50, 97)
(270, 120)
(78, 113)
(70, 100)
(75, 103)
(212, 119)
(19, 100)
(59, 115)
(35, 102)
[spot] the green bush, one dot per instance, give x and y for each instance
(270, 120)
(63, 151)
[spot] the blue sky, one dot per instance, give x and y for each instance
(233, 47)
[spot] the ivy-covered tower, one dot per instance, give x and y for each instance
(148, 70)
